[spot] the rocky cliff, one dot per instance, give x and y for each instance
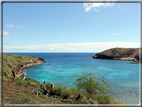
(13, 65)
(128, 54)
(19, 69)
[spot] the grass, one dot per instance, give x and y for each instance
(18, 101)
(20, 82)
(25, 96)
(9, 61)
(42, 96)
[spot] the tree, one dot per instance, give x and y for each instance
(91, 83)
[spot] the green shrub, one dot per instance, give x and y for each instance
(48, 85)
(17, 79)
(20, 82)
(59, 89)
(89, 82)
(5, 74)
(31, 81)
(43, 96)
(116, 102)
(12, 78)
(83, 100)
(104, 99)
(67, 93)
(27, 79)
(6, 79)
(93, 96)
(74, 92)
(91, 101)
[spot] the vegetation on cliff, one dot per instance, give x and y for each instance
(13, 64)
(9, 61)
(29, 91)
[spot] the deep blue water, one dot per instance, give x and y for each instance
(64, 68)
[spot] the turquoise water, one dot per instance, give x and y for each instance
(64, 68)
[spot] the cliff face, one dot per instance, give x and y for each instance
(128, 54)
(17, 70)
(13, 65)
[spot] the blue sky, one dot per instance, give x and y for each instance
(70, 27)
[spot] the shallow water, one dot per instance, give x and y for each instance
(64, 68)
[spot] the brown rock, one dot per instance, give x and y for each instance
(17, 70)
(128, 54)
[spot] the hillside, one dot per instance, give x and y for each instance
(29, 91)
(128, 54)
(13, 65)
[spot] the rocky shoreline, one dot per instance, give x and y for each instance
(19, 71)
(125, 54)
(22, 75)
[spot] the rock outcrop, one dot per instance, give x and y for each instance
(128, 54)
(19, 69)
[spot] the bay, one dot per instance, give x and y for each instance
(64, 68)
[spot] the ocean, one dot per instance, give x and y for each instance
(64, 68)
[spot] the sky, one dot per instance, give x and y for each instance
(70, 27)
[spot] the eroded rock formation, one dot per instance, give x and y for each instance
(19, 69)
(128, 54)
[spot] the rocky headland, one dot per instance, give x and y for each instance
(13, 65)
(18, 70)
(127, 54)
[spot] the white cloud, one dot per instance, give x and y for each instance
(13, 26)
(20, 26)
(72, 47)
(6, 33)
(34, 48)
(10, 26)
(117, 33)
(95, 6)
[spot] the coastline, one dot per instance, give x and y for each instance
(19, 71)
(22, 75)
(132, 61)
(46, 58)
